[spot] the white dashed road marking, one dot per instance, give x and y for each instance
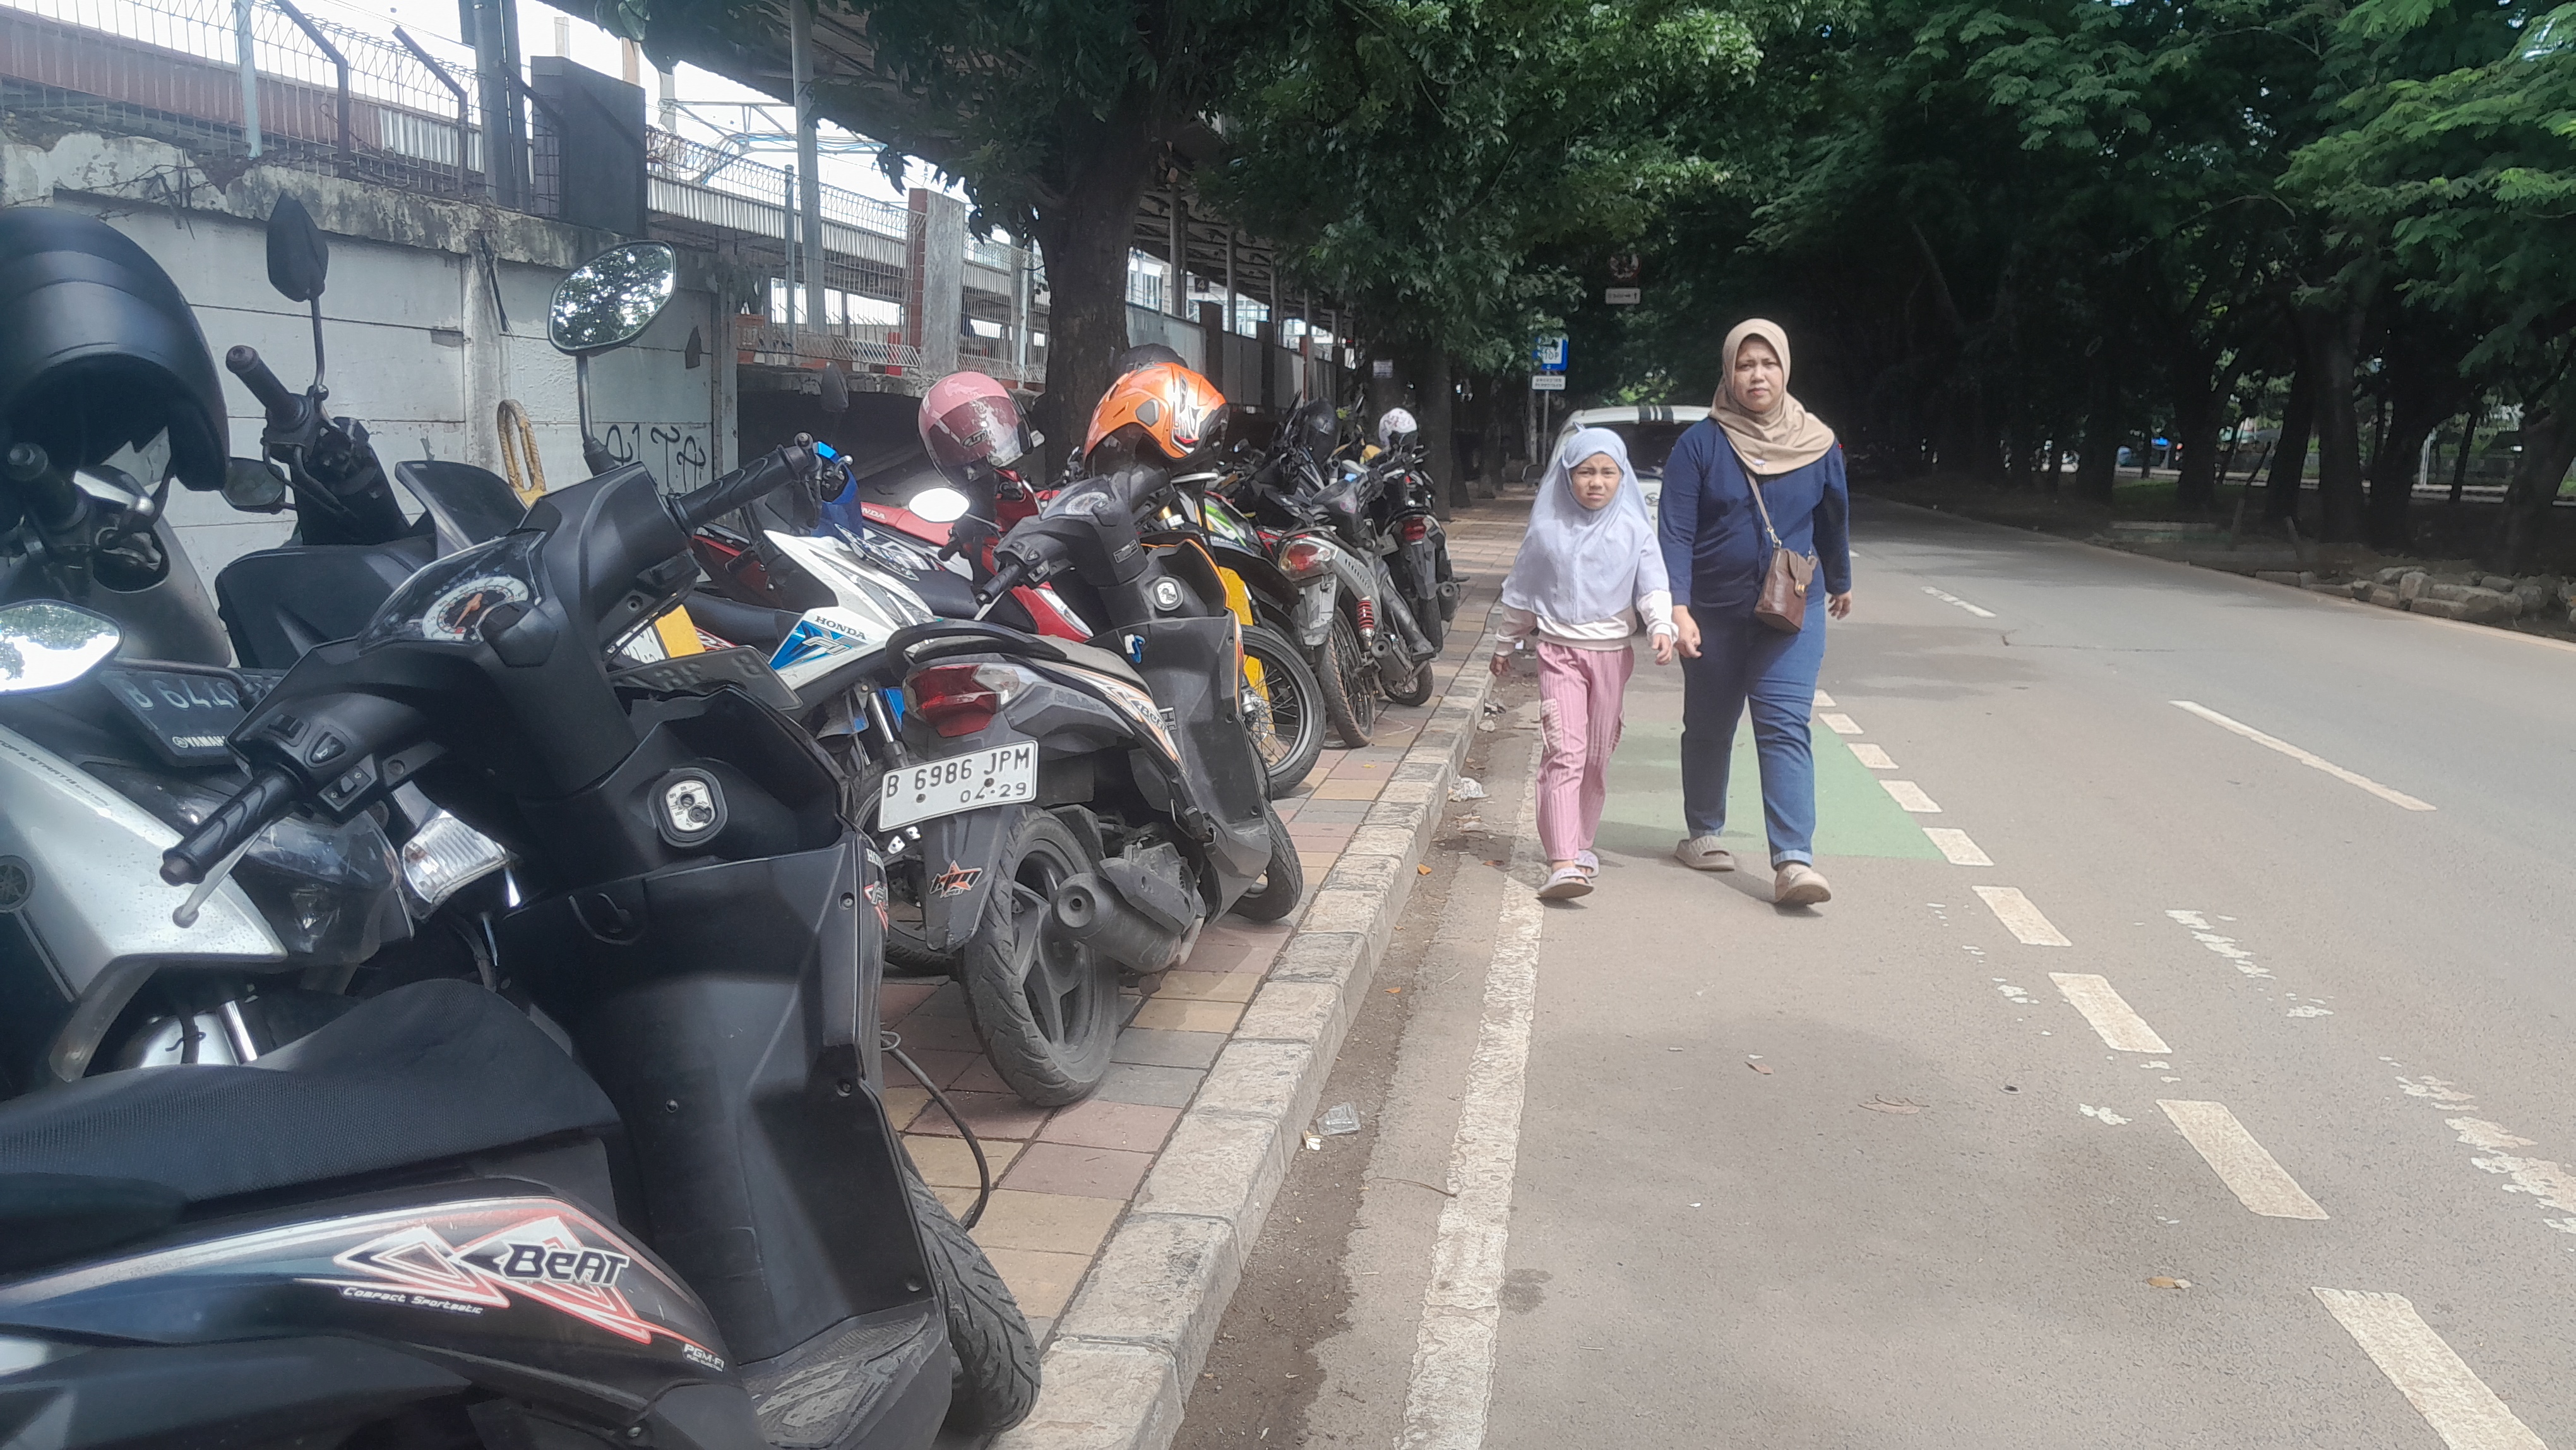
(2120, 1026)
(1841, 724)
(2021, 918)
(1871, 755)
(2424, 1367)
(2247, 1168)
(1955, 845)
(1909, 795)
(1824, 701)
(1955, 599)
(2303, 757)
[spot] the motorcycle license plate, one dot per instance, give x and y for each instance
(979, 778)
(187, 713)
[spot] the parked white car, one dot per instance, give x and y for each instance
(1650, 430)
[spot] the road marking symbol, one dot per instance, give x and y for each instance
(1909, 795)
(2303, 757)
(1870, 755)
(2424, 1367)
(1824, 701)
(1954, 843)
(2247, 1168)
(1955, 599)
(1447, 1399)
(2021, 918)
(2120, 1026)
(1841, 724)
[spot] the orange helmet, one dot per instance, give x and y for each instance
(1174, 407)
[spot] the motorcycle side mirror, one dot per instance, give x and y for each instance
(299, 258)
(45, 643)
(604, 304)
(836, 389)
(254, 486)
(940, 505)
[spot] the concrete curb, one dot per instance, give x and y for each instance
(1126, 1351)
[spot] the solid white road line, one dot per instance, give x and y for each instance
(2120, 1026)
(1871, 755)
(1824, 701)
(1453, 1357)
(1955, 599)
(1841, 724)
(2020, 917)
(2303, 757)
(2449, 1395)
(1954, 844)
(2247, 1168)
(1909, 795)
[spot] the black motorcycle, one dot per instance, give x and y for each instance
(625, 1178)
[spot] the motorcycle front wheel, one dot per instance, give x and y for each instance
(996, 1384)
(1045, 1005)
(1293, 735)
(1349, 684)
(1285, 883)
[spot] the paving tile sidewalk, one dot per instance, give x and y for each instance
(1064, 1179)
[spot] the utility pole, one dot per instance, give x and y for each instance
(1176, 297)
(246, 43)
(800, 46)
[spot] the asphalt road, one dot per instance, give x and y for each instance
(2232, 1111)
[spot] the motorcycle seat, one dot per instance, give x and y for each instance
(427, 1072)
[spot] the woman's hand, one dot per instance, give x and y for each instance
(1686, 632)
(1502, 661)
(1839, 605)
(1663, 643)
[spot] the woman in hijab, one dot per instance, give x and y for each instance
(1717, 549)
(1588, 571)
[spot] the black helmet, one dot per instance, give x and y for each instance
(98, 351)
(1146, 354)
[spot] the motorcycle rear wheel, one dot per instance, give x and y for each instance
(997, 1357)
(1295, 736)
(1349, 685)
(1046, 1007)
(1285, 884)
(1412, 688)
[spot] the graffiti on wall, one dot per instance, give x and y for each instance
(680, 454)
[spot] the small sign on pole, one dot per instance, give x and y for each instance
(1623, 296)
(1550, 354)
(1547, 382)
(1382, 368)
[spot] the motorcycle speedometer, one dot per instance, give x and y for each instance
(448, 600)
(457, 616)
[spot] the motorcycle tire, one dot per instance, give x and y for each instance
(1295, 735)
(996, 1384)
(1405, 688)
(1349, 685)
(1046, 1008)
(1283, 886)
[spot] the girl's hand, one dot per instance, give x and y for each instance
(1839, 605)
(1686, 632)
(1502, 661)
(1663, 648)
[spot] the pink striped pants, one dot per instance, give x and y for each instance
(1579, 696)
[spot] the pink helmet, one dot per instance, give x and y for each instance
(970, 427)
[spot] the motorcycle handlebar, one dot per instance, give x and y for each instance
(1011, 575)
(771, 471)
(283, 406)
(260, 805)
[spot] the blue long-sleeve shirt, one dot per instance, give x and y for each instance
(1712, 534)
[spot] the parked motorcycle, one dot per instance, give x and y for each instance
(621, 1177)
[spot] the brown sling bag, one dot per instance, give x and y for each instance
(1782, 604)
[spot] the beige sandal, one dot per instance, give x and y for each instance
(1702, 853)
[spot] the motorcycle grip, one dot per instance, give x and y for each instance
(245, 364)
(772, 470)
(267, 798)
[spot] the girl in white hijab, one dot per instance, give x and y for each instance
(1589, 570)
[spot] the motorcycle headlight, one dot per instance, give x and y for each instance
(448, 600)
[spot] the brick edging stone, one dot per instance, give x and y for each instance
(1117, 1375)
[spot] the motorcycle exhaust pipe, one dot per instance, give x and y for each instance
(1090, 911)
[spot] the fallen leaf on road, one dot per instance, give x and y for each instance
(1893, 1105)
(2161, 1282)
(1421, 870)
(1763, 1068)
(1395, 991)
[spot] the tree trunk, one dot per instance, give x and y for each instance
(2468, 438)
(1440, 430)
(1490, 391)
(2548, 448)
(2332, 339)
(1085, 242)
(2197, 397)
(2098, 464)
(2290, 454)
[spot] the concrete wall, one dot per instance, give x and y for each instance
(415, 346)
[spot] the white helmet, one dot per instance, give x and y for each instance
(1395, 423)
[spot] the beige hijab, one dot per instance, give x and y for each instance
(1783, 440)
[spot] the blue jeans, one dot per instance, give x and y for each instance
(1742, 660)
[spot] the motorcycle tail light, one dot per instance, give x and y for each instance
(1306, 558)
(1416, 529)
(962, 699)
